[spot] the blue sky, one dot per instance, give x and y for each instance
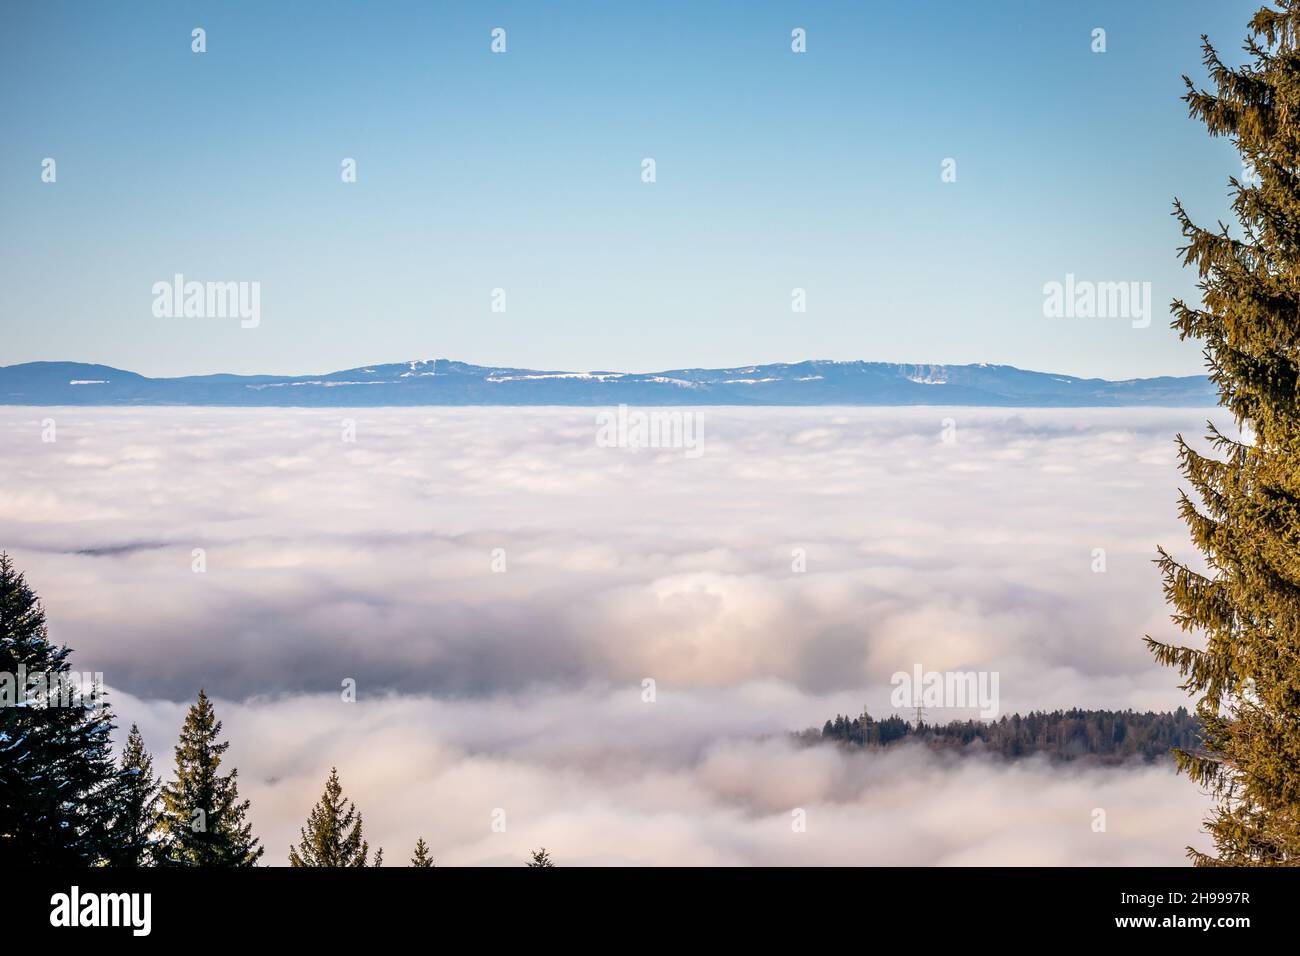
(521, 171)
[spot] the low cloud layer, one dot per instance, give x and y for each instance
(374, 560)
(602, 778)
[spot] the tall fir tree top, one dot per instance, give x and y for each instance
(1245, 518)
(421, 857)
(332, 836)
(540, 858)
(24, 637)
(203, 818)
(133, 834)
(57, 777)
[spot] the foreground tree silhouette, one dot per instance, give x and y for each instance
(421, 857)
(1247, 522)
(133, 835)
(540, 858)
(203, 818)
(332, 836)
(56, 765)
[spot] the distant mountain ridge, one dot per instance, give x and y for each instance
(446, 382)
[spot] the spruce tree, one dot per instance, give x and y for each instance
(332, 836)
(203, 819)
(421, 857)
(1246, 522)
(56, 765)
(133, 836)
(540, 858)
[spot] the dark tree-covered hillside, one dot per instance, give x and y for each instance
(1109, 736)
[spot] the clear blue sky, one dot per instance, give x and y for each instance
(522, 171)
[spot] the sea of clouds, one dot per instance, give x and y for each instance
(968, 544)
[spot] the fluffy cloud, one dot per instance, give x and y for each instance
(601, 777)
(373, 560)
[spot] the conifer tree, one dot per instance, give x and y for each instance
(540, 858)
(1246, 523)
(203, 819)
(133, 835)
(56, 765)
(421, 857)
(332, 836)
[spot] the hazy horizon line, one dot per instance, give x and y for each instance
(609, 370)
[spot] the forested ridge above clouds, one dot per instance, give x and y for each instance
(1101, 736)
